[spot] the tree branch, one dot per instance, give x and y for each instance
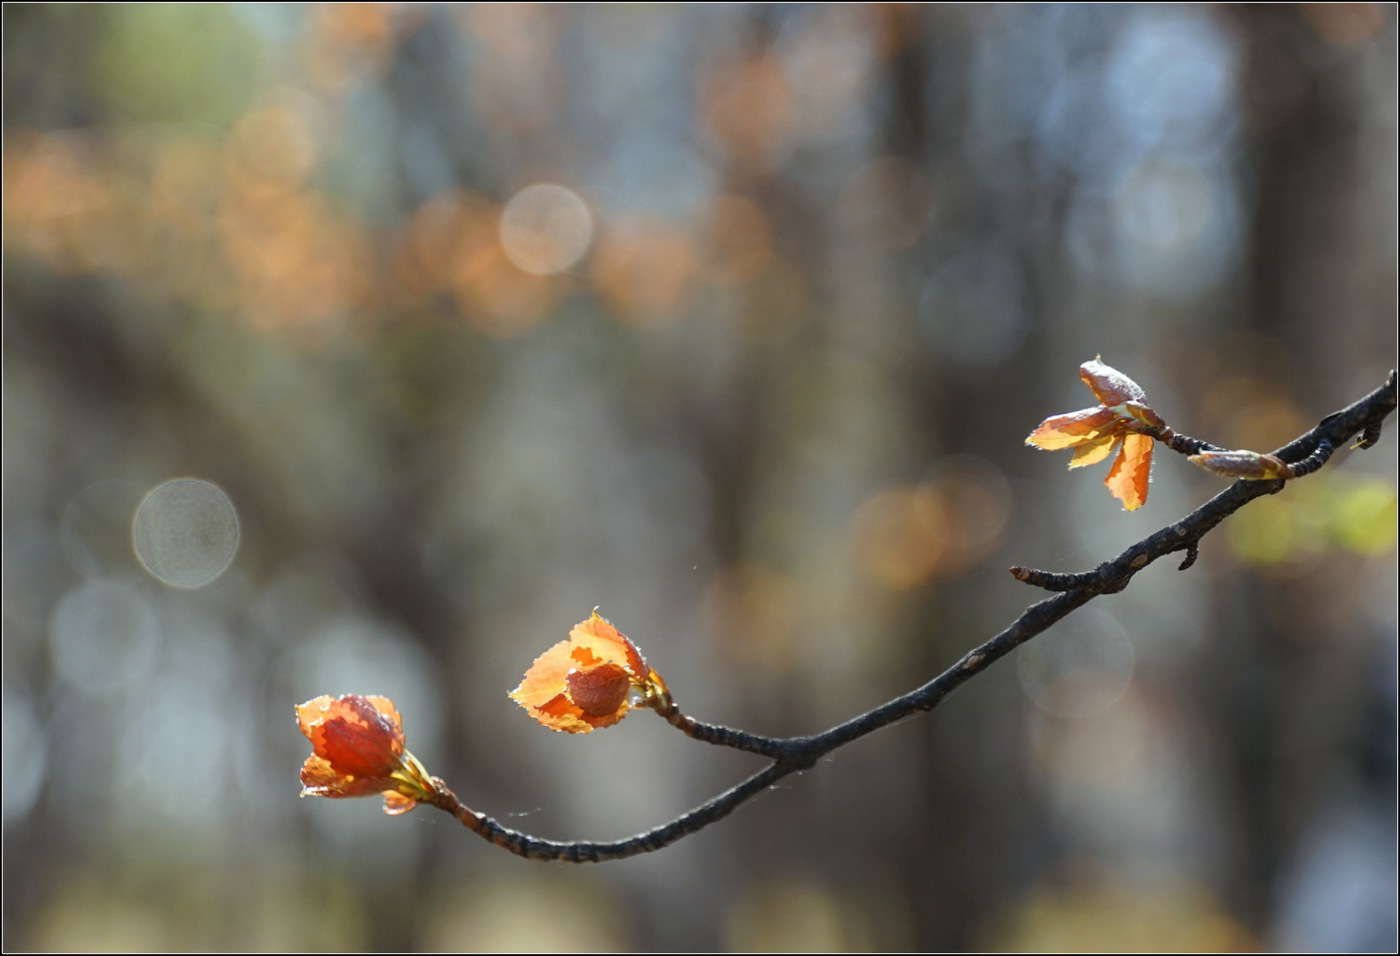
(1306, 453)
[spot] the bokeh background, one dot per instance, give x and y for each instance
(368, 348)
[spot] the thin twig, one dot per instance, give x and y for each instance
(775, 747)
(1173, 439)
(588, 851)
(791, 754)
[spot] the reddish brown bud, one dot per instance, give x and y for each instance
(600, 689)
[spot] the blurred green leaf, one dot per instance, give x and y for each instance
(176, 62)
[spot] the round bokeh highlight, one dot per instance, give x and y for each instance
(186, 532)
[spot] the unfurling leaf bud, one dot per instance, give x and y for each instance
(1096, 433)
(586, 682)
(358, 750)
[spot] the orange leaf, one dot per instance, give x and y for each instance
(1128, 478)
(1094, 451)
(560, 713)
(1075, 428)
(607, 644)
(546, 679)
